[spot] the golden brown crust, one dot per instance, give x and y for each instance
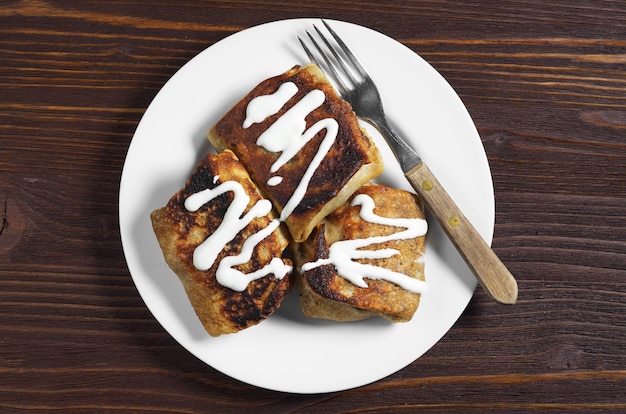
(325, 294)
(352, 161)
(179, 231)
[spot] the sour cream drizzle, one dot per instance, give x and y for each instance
(288, 134)
(343, 253)
(263, 106)
(234, 221)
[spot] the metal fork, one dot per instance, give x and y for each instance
(355, 86)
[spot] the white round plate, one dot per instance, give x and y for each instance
(288, 352)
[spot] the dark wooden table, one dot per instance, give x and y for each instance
(545, 83)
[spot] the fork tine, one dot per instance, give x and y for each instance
(339, 82)
(310, 55)
(353, 59)
(340, 61)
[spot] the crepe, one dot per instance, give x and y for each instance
(346, 273)
(301, 144)
(223, 241)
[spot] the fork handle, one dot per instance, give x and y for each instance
(491, 273)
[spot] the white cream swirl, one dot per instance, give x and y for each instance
(234, 221)
(288, 134)
(343, 253)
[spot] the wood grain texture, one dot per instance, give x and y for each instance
(545, 84)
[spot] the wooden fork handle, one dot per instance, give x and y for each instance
(491, 273)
